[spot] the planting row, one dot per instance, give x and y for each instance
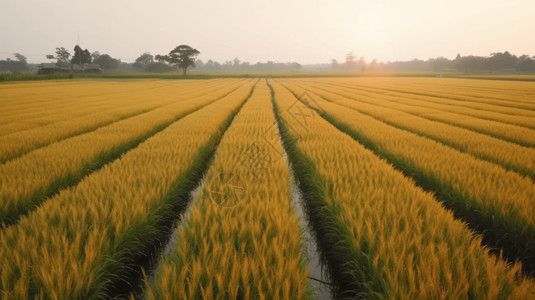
(382, 236)
(240, 239)
(28, 180)
(83, 242)
(499, 96)
(484, 194)
(509, 155)
(481, 122)
(65, 125)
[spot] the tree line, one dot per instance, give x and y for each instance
(503, 62)
(183, 58)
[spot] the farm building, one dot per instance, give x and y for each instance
(50, 68)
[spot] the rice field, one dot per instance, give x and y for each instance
(405, 187)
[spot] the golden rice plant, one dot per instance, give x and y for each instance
(504, 96)
(81, 243)
(498, 114)
(509, 132)
(490, 198)
(87, 116)
(240, 238)
(28, 180)
(24, 104)
(398, 241)
(509, 155)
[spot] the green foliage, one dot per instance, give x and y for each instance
(183, 56)
(81, 56)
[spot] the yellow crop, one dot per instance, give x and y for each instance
(404, 182)
(499, 113)
(487, 184)
(30, 105)
(404, 243)
(241, 235)
(26, 181)
(510, 155)
(79, 242)
(495, 201)
(482, 123)
(86, 115)
(499, 96)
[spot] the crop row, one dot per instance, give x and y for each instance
(241, 237)
(29, 180)
(30, 98)
(514, 116)
(496, 95)
(62, 101)
(485, 195)
(509, 155)
(83, 242)
(480, 123)
(381, 235)
(67, 125)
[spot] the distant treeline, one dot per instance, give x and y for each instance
(149, 63)
(499, 62)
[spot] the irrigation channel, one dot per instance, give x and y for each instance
(319, 280)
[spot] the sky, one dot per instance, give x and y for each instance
(304, 31)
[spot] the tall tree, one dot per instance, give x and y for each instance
(62, 55)
(183, 56)
(81, 56)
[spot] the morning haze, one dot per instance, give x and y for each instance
(303, 31)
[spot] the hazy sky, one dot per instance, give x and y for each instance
(311, 31)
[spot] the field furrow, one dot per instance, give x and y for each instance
(492, 200)
(241, 236)
(27, 181)
(382, 236)
(509, 155)
(86, 242)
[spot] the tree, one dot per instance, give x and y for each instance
(143, 61)
(21, 58)
(334, 64)
(81, 56)
(62, 55)
(161, 58)
(18, 65)
(107, 62)
(351, 64)
(183, 56)
(95, 55)
(199, 63)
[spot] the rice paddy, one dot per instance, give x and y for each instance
(414, 188)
